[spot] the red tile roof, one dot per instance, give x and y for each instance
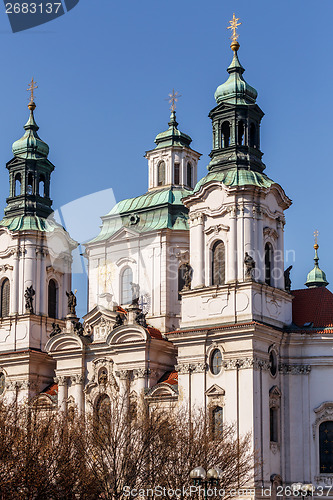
(313, 305)
(154, 333)
(51, 389)
(170, 378)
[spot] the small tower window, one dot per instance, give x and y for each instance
(241, 133)
(217, 422)
(161, 173)
(5, 298)
(17, 185)
(41, 185)
(253, 135)
(176, 173)
(225, 132)
(30, 184)
(218, 263)
(125, 286)
(189, 175)
(268, 264)
(52, 299)
(326, 447)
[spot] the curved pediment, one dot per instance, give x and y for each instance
(127, 334)
(162, 390)
(64, 342)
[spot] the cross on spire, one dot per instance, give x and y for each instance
(31, 88)
(316, 234)
(233, 26)
(173, 98)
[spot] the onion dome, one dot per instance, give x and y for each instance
(30, 146)
(316, 277)
(172, 136)
(235, 90)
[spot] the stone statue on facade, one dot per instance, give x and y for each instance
(29, 296)
(140, 319)
(187, 276)
(135, 293)
(78, 328)
(287, 279)
(249, 266)
(71, 303)
(55, 330)
(119, 321)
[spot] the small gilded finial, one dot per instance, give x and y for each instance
(316, 234)
(233, 26)
(173, 98)
(31, 88)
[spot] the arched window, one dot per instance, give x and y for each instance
(273, 363)
(125, 286)
(218, 263)
(30, 184)
(176, 173)
(189, 175)
(17, 185)
(41, 185)
(216, 362)
(241, 133)
(52, 299)
(217, 421)
(268, 263)
(326, 447)
(5, 298)
(161, 173)
(253, 135)
(225, 134)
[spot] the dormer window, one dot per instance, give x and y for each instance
(161, 173)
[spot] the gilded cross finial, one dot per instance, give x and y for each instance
(233, 26)
(31, 88)
(316, 234)
(173, 98)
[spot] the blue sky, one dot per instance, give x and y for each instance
(105, 68)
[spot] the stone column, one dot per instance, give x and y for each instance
(15, 282)
(78, 380)
(123, 376)
(140, 375)
(197, 242)
(62, 391)
(279, 260)
(232, 250)
(261, 250)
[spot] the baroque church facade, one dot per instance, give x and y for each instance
(189, 301)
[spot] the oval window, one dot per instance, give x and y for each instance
(216, 362)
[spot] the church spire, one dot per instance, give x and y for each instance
(29, 171)
(316, 278)
(236, 119)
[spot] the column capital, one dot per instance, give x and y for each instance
(61, 380)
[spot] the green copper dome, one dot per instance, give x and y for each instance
(316, 277)
(30, 146)
(235, 90)
(172, 136)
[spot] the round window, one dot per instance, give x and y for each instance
(2, 383)
(216, 362)
(273, 363)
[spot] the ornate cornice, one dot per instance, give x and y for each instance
(287, 369)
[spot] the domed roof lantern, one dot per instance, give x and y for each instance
(235, 90)
(316, 278)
